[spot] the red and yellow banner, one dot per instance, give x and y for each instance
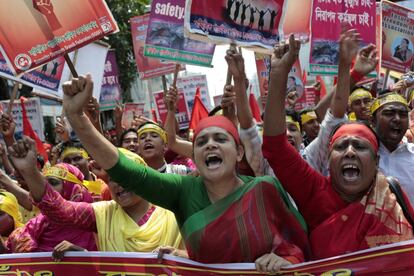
(395, 259)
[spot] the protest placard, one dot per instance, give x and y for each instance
(147, 67)
(110, 89)
(35, 32)
(397, 37)
(263, 70)
(189, 86)
(131, 110)
(165, 36)
(182, 114)
(328, 19)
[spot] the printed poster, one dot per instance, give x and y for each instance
(327, 20)
(34, 114)
(182, 114)
(110, 89)
(165, 36)
(189, 85)
(253, 23)
(131, 110)
(263, 71)
(307, 100)
(35, 32)
(147, 67)
(46, 78)
(397, 37)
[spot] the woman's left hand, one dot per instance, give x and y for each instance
(61, 248)
(270, 263)
(170, 250)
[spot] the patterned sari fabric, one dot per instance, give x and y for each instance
(41, 234)
(375, 220)
(254, 220)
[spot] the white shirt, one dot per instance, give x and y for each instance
(400, 164)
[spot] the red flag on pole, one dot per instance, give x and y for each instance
(154, 115)
(323, 87)
(199, 110)
(254, 107)
(28, 131)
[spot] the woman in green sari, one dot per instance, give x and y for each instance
(223, 217)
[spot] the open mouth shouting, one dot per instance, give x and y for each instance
(148, 146)
(350, 172)
(213, 161)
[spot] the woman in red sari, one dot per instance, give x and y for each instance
(223, 217)
(353, 208)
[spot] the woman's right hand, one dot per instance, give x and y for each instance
(7, 125)
(24, 155)
(270, 263)
(63, 247)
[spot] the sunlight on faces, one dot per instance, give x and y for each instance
(361, 108)
(391, 122)
(151, 146)
(130, 141)
(216, 153)
(77, 160)
(353, 166)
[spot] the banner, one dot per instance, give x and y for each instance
(308, 98)
(45, 78)
(147, 67)
(189, 86)
(181, 114)
(165, 36)
(327, 20)
(130, 111)
(397, 37)
(35, 32)
(110, 89)
(296, 19)
(263, 71)
(247, 22)
(394, 259)
(34, 113)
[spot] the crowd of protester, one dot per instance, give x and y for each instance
(325, 181)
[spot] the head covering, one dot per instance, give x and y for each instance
(289, 119)
(355, 129)
(357, 94)
(9, 205)
(152, 127)
(386, 99)
(308, 116)
(133, 156)
(61, 173)
(71, 150)
(220, 122)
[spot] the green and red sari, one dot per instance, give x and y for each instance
(256, 219)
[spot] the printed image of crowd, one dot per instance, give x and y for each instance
(325, 52)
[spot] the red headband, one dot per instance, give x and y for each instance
(217, 121)
(358, 130)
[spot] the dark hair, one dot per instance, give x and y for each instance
(295, 115)
(359, 87)
(215, 110)
(406, 40)
(121, 138)
(306, 110)
(73, 143)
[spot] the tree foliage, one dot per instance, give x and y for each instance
(122, 11)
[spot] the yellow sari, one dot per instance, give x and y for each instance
(118, 232)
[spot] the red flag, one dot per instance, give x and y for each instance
(323, 87)
(304, 76)
(254, 107)
(199, 110)
(28, 131)
(154, 115)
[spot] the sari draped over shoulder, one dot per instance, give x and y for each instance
(377, 219)
(117, 231)
(254, 220)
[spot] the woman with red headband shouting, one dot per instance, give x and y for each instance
(223, 217)
(354, 208)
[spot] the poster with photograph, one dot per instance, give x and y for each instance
(182, 115)
(110, 89)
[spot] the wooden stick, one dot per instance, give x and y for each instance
(71, 66)
(164, 84)
(387, 74)
(229, 76)
(177, 69)
(13, 97)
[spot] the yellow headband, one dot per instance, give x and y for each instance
(71, 150)
(9, 205)
(390, 98)
(359, 94)
(61, 173)
(289, 119)
(308, 116)
(133, 156)
(153, 128)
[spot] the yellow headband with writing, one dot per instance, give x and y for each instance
(359, 94)
(71, 150)
(289, 119)
(308, 116)
(389, 98)
(61, 173)
(153, 128)
(9, 205)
